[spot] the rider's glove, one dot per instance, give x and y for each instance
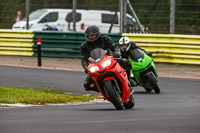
(117, 55)
(130, 65)
(85, 69)
(149, 54)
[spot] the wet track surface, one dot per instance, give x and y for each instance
(176, 109)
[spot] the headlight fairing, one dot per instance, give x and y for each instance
(93, 69)
(106, 63)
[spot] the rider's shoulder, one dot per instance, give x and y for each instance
(84, 44)
(105, 36)
(133, 45)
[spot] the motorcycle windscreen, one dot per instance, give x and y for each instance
(136, 55)
(97, 54)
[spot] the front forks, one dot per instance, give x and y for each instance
(150, 74)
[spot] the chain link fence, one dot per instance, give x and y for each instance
(154, 15)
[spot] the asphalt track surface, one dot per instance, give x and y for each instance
(175, 110)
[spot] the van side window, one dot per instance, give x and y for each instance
(109, 18)
(70, 16)
(51, 17)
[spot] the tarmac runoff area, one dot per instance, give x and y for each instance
(163, 70)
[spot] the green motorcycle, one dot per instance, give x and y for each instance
(144, 70)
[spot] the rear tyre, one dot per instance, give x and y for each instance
(153, 83)
(115, 97)
(131, 103)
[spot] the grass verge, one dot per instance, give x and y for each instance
(10, 95)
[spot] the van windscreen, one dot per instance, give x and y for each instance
(36, 14)
(129, 21)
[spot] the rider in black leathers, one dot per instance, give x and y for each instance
(125, 46)
(96, 40)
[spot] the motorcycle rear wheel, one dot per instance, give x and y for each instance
(111, 91)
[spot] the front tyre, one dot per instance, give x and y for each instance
(153, 83)
(131, 103)
(112, 93)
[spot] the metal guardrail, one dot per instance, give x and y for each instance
(14, 42)
(169, 48)
(63, 44)
(59, 44)
(54, 43)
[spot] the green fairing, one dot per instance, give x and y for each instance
(141, 67)
(137, 66)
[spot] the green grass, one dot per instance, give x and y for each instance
(10, 95)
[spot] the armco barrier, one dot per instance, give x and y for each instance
(54, 43)
(169, 48)
(15, 42)
(62, 44)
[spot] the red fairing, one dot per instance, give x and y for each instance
(121, 74)
(95, 69)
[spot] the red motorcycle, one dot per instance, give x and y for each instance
(110, 79)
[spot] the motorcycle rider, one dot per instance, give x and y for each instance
(95, 40)
(125, 46)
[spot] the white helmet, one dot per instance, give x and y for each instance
(123, 41)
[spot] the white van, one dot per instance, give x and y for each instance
(62, 20)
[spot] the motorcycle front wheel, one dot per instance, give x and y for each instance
(131, 103)
(115, 97)
(153, 83)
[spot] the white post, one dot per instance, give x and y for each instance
(172, 16)
(121, 15)
(74, 15)
(27, 14)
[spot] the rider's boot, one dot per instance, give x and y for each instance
(92, 88)
(131, 87)
(132, 82)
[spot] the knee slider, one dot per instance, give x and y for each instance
(86, 84)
